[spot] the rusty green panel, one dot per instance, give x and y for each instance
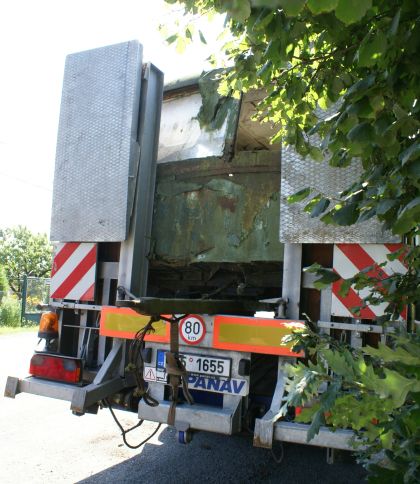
(210, 210)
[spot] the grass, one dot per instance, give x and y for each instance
(10, 330)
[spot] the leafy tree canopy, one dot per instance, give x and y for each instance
(24, 253)
(360, 56)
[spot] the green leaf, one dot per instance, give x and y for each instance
(275, 4)
(317, 422)
(366, 214)
(330, 395)
(395, 23)
(265, 69)
(338, 364)
(307, 413)
(323, 103)
(328, 276)
(180, 45)
(387, 439)
(411, 153)
(396, 386)
(361, 133)
(202, 38)
(345, 287)
(377, 103)
(408, 218)
(311, 204)
(264, 18)
(240, 10)
(369, 378)
(322, 6)
(188, 32)
(328, 218)
(371, 51)
(361, 86)
(385, 205)
(350, 11)
(316, 153)
(292, 8)
(299, 196)
(320, 207)
(346, 215)
(313, 269)
(392, 355)
(172, 39)
(413, 171)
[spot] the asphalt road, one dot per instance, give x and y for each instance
(42, 442)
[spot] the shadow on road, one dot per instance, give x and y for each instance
(215, 458)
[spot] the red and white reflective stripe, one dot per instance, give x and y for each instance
(73, 272)
(349, 259)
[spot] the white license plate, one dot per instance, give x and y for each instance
(206, 365)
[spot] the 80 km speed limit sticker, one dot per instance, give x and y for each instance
(192, 329)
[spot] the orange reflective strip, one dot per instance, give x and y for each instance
(125, 322)
(254, 335)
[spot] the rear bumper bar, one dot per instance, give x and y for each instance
(196, 417)
(81, 398)
(297, 432)
(226, 421)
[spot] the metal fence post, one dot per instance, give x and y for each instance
(23, 298)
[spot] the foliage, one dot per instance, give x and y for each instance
(374, 391)
(10, 312)
(341, 80)
(24, 253)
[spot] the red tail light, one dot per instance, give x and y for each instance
(56, 368)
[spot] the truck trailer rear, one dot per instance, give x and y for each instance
(178, 268)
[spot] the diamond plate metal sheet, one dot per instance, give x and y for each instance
(97, 150)
(296, 226)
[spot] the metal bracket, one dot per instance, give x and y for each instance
(71, 305)
(85, 397)
(104, 384)
(264, 427)
(360, 328)
(12, 387)
(330, 455)
(279, 305)
(110, 364)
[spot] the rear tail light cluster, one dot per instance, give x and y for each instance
(57, 368)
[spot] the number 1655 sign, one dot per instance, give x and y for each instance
(192, 329)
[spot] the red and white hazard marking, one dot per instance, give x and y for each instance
(349, 259)
(73, 271)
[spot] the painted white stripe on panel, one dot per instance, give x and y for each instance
(378, 252)
(83, 285)
(71, 263)
(343, 265)
(338, 308)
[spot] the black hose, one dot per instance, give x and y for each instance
(124, 432)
